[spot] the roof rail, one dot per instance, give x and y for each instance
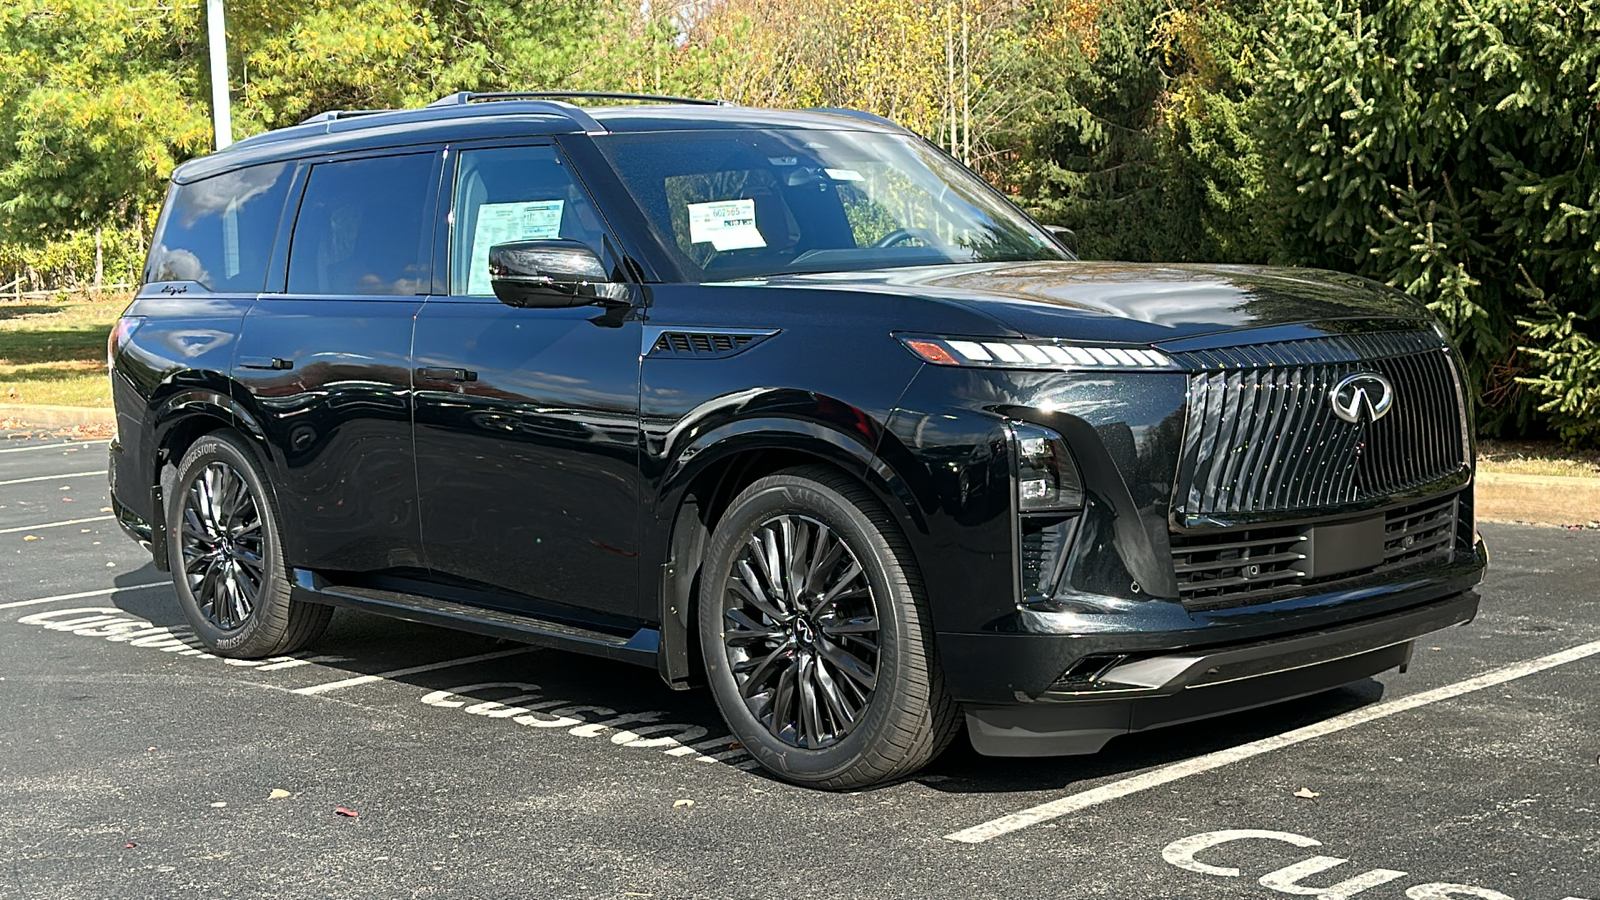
(551, 102)
(473, 96)
(333, 115)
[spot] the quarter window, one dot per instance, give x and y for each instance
(363, 228)
(219, 230)
(506, 194)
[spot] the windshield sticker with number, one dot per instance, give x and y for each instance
(725, 225)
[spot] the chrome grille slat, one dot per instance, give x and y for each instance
(1261, 436)
(1262, 441)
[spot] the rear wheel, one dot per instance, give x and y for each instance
(224, 547)
(816, 636)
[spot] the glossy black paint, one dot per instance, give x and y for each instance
(528, 461)
(335, 425)
(172, 377)
(1127, 303)
(562, 464)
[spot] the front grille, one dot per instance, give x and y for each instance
(1261, 435)
(1237, 566)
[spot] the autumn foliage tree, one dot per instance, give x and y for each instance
(1446, 147)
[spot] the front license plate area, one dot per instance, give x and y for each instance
(1345, 547)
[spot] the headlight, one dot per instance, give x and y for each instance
(1047, 477)
(1010, 354)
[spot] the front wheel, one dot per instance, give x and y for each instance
(225, 549)
(815, 635)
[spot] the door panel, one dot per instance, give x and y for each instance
(529, 471)
(325, 367)
(527, 425)
(337, 417)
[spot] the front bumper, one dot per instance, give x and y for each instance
(1185, 687)
(1044, 694)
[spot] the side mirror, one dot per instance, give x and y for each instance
(1066, 236)
(552, 273)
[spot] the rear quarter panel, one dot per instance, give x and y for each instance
(173, 367)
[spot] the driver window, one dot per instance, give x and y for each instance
(508, 194)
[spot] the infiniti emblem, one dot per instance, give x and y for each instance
(1367, 391)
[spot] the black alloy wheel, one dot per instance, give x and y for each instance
(222, 543)
(801, 630)
(816, 639)
(224, 547)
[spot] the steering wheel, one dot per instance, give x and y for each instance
(901, 235)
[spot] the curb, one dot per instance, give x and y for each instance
(56, 416)
(1548, 499)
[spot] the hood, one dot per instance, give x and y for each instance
(1134, 303)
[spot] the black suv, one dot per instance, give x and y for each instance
(789, 403)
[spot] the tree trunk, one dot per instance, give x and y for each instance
(99, 259)
(966, 90)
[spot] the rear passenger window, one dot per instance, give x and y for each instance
(363, 228)
(510, 194)
(219, 231)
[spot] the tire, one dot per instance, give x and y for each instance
(836, 693)
(225, 549)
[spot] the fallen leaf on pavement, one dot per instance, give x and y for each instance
(1307, 794)
(277, 794)
(129, 845)
(31, 537)
(682, 804)
(347, 813)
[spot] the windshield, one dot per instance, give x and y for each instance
(753, 203)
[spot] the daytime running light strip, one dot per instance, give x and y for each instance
(1004, 352)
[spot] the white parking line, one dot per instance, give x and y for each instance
(51, 446)
(977, 834)
(413, 670)
(52, 477)
(55, 524)
(100, 593)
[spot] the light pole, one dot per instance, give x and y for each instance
(221, 111)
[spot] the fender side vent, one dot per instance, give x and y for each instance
(706, 343)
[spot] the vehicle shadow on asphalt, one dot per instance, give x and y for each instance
(362, 644)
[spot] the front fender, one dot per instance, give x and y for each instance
(790, 422)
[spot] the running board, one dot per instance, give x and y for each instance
(640, 649)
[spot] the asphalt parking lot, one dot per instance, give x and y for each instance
(134, 765)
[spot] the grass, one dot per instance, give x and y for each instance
(53, 352)
(1536, 458)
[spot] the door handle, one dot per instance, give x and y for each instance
(265, 362)
(436, 373)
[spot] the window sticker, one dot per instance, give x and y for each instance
(502, 223)
(230, 239)
(844, 174)
(725, 225)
